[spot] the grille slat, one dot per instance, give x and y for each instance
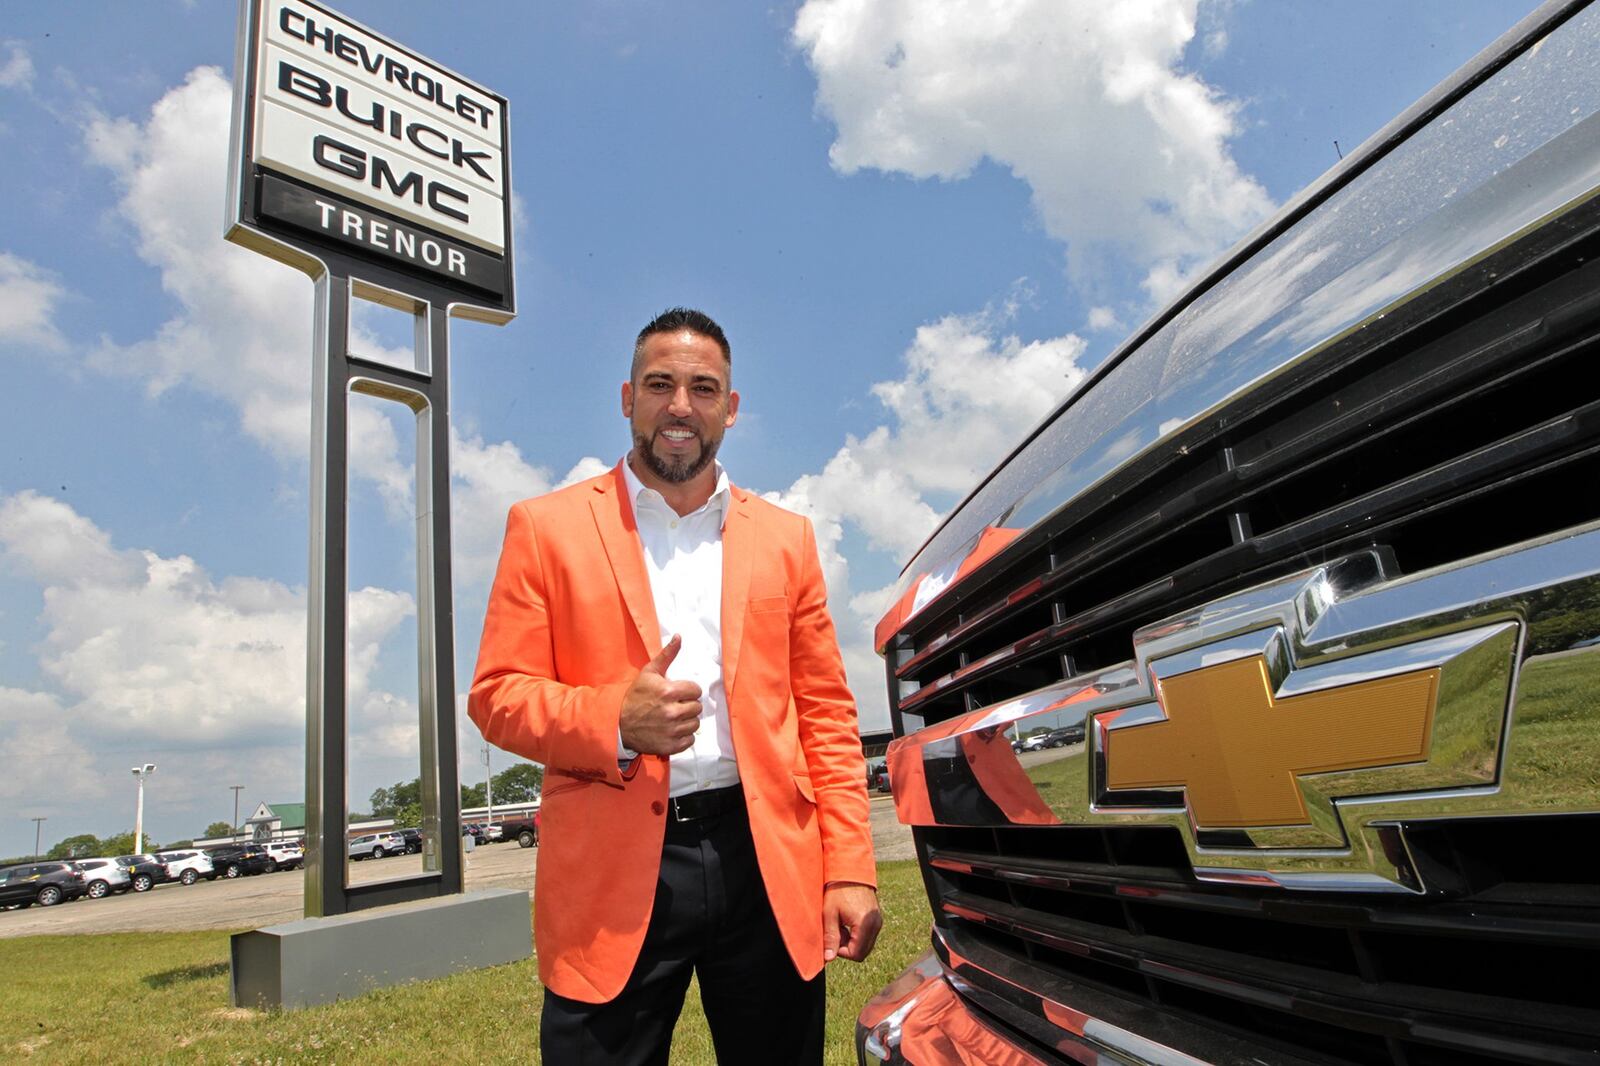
(1373, 1006)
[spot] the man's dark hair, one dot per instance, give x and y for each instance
(676, 320)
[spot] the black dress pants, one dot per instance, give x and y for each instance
(712, 919)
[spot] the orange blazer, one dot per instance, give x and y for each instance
(569, 625)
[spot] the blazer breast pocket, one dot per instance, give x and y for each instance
(769, 605)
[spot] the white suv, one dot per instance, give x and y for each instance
(284, 855)
(188, 866)
(101, 877)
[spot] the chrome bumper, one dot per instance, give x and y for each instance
(965, 1012)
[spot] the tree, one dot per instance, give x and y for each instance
(473, 795)
(121, 844)
(386, 801)
(218, 829)
(408, 816)
(82, 846)
(518, 784)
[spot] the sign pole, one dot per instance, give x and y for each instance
(383, 176)
(338, 374)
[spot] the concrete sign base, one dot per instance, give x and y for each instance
(320, 960)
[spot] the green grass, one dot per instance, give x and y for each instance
(144, 997)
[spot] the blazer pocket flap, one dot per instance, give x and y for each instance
(764, 604)
(803, 783)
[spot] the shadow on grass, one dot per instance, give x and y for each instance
(168, 978)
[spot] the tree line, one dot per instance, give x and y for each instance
(402, 801)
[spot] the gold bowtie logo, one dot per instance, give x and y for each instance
(1239, 752)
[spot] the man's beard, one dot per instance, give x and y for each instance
(675, 471)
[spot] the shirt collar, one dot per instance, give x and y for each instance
(638, 490)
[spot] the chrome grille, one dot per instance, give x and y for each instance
(1349, 980)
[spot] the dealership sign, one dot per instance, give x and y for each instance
(347, 144)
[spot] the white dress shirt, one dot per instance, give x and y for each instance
(683, 556)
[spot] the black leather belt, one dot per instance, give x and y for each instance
(708, 804)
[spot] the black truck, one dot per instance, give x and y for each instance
(1313, 560)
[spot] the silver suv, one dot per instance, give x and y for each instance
(377, 845)
(102, 877)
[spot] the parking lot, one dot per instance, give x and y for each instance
(268, 899)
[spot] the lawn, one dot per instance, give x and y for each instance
(143, 997)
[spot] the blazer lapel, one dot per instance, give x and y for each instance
(613, 515)
(738, 547)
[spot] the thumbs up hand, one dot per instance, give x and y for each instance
(660, 716)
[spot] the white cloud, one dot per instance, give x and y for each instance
(153, 649)
(1126, 154)
(1103, 318)
(16, 70)
(39, 754)
(969, 393)
(28, 298)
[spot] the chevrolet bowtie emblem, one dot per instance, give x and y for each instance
(1239, 752)
(1280, 751)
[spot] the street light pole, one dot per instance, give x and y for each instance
(36, 826)
(488, 784)
(140, 773)
(236, 790)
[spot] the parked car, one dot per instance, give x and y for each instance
(525, 831)
(189, 865)
(284, 855)
(44, 883)
(413, 839)
(377, 845)
(1036, 742)
(236, 860)
(493, 832)
(1058, 738)
(146, 871)
(878, 776)
(102, 877)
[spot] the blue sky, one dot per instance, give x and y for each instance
(919, 223)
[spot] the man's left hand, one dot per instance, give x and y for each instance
(850, 921)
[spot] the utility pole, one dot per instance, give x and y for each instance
(236, 789)
(36, 822)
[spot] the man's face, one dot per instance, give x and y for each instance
(679, 404)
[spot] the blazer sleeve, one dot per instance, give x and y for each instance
(518, 700)
(829, 735)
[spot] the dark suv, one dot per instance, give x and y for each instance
(235, 860)
(145, 871)
(44, 883)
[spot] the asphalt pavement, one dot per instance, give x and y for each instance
(270, 899)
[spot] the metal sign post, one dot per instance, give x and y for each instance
(337, 374)
(385, 177)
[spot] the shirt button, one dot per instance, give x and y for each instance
(673, 524)
(657, 807)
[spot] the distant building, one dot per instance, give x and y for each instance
(277, 821)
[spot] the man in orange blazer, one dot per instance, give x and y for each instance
(660, 640)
